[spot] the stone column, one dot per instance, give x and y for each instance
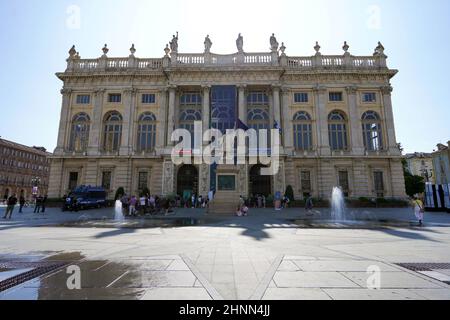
(206, 108)
(64, 122)
(204, 179)
(276, 104)
(242, 104)
(323, 144)
(168, 181)
(391, 142)
(171, 115)
(95, 131)
(129, 103)
(356, 143)
(162, 120)
(287, 122)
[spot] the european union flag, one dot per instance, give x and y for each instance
(277, 126)
(241, 125)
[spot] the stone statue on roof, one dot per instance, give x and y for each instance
(240, 43)
(273, 43)
(208, 44)
(174, 43)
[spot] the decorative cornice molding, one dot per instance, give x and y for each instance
(66, 91)
(386, 90)
(351, 90)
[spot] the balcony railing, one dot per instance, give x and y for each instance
(183, 60)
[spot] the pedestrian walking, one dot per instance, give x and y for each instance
(10, 204)
(419, 210)
(38, 204)
(21, 203)
(309, 205)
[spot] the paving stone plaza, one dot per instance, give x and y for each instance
(188, 255)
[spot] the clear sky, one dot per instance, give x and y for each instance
(35, 37)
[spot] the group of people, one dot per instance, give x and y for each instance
(11, 202)
(145, 204)
(192, 201)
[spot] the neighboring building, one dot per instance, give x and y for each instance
(22, 168)
(441, 164)
(335, 113)
(420, 164)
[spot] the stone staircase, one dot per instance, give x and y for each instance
(224, 203)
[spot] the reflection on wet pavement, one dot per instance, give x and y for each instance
(105, 279)
(141, 223)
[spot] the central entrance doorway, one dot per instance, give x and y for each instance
(259, 185)
(187, 181)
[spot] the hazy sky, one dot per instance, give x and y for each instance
(35, 37)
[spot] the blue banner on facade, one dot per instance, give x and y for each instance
(223, 116)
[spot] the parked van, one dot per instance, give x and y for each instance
(90, 197)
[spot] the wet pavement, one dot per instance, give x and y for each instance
(268, 255)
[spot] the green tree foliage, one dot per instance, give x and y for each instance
(119, 193)
(289, 193)
(413, 184)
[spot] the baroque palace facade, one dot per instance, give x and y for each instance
(334, 113)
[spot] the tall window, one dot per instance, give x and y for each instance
(79, 136)
(305, 182)
(142, 180)
(112, 131)
(343, 182)
(106, 180)
(258, 118)
(190, 111)
(146, 132)
(302, 131)
(73, 180)
(372, 133)
(337, 131)
(378, 183)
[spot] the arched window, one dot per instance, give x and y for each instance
(372, 133)
(302, 131)
(258, 118)
(146, 132)
(79, 136)
(337, 130)
(112, 131)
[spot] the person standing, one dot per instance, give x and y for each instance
(11, 203)
(419, 210)
(38, 203)
(21, 203)
(43, 203)
(133, 202)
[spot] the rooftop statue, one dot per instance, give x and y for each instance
(208, 44)
(273, 43)
(240, 43)
(174, 43)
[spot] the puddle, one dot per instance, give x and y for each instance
(141, 223)
(100, 279)
(357, 224)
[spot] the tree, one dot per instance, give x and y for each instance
(289, 193)
(119, 193)
(413, 184)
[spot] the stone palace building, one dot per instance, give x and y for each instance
(334, 112)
